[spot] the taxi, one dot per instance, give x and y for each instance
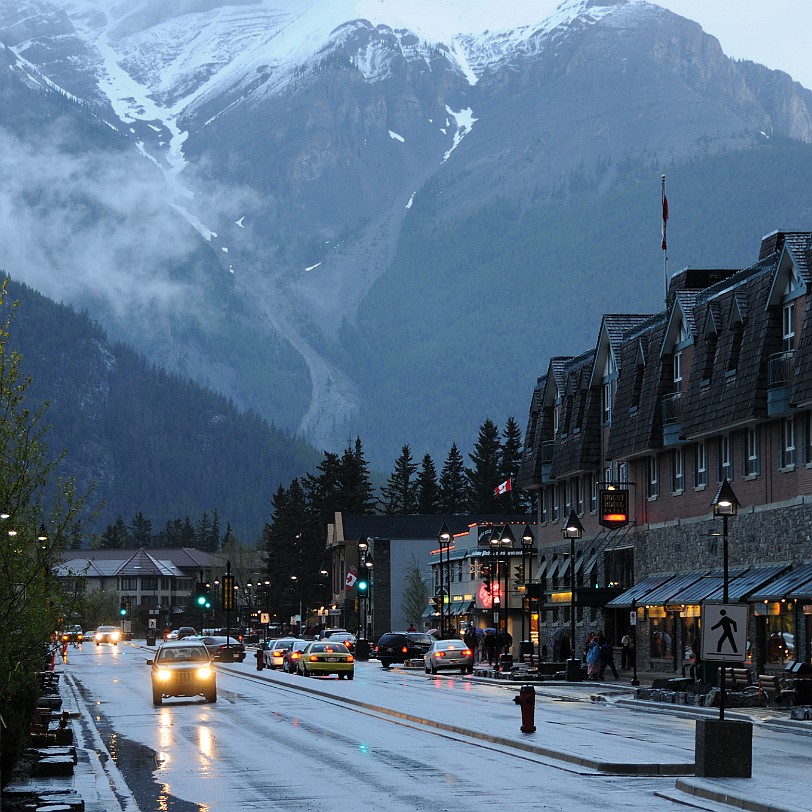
(321, 657)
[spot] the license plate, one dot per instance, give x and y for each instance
(390, 648)
(332, 659)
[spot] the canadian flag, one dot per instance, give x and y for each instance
(505, 487)
(352, 577)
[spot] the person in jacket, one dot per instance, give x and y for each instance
(607, 657)
(593, 659)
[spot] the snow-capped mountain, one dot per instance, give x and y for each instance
(265, 157)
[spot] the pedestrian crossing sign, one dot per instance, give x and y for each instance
(724, 632)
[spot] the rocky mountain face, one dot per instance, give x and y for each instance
(286, 149)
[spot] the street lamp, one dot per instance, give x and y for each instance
(725, 504)
(293, 578)
(496, 588)
(573, 529)
(506, 542)
(528, 539)
(324, 573)
(444, 539)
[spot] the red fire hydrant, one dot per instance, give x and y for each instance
(260, 655)
(527, 701)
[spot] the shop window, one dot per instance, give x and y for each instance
(660, 638)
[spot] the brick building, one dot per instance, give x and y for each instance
(666, 406)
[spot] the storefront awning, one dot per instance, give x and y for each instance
(461, 607)
(635, 595)
(796, 583)
(429, 612)
(740, 588)
(704, 586)
(666, 593)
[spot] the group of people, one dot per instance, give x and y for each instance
(599, 654)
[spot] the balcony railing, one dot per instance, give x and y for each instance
(780, 366)
(672, 408)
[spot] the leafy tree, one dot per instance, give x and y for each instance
(39, 513)
(415, 593)
(484, 476)
(428, 492)
(400, 492)
(453, 486)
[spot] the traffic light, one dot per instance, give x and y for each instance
(362, 585)
(123, 610)
(438, 603)
(486, 578)
(518, 574)
(201, 598)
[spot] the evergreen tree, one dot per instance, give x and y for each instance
(214, 543)
(483, 478)
(400, 492)
(512, 501)
(453, 491)
(141, 530)
(203, 533)
(428, 492)
(115, 537)
(356, 492)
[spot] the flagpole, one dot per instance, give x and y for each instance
(665, 243)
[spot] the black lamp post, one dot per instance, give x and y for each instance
(506, 542)
(324, 573)
(528, 539)
(573, 529)
(293, 580)
(496, 583)
(444, 539)
(635, 681)
(725, 504)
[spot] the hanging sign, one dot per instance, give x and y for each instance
(614, 507)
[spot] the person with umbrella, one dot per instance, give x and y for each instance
(489, 644)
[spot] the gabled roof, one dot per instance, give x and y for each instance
(142, 563)
(682, 312)
(610, 337)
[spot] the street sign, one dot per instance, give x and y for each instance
(724, 632)
(153, 623)
(265, 618)
(633, 617)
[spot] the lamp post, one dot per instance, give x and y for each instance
(444, 539)
(633, 618)
(365, 565)
(324, 572)
(293, 579)
(506, 542)
(573, 529)
(528, 539)
(496, 588)
(725, 504)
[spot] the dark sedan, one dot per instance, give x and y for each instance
(216, 646)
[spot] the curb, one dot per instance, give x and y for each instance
(709, 793)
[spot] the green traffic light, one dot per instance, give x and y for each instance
(362, 586)
(201, 601)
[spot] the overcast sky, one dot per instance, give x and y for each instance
(773, 32)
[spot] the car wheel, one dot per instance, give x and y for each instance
(350, 674)
(98, 644)
(304, 672)
(427, 669)
(385, 663)
(157, 699)
(433, 668)
(211, 696)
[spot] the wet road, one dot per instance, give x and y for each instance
(270, 743)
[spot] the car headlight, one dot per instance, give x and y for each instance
(204, 673)
(97, 637)
(164, 674)
(115, 636)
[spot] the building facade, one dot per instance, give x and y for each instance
(664, 408)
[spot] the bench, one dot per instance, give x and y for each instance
(735, 678)
(775, 688)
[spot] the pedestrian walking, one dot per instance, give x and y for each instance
(470, 637)
(489, 644)
(593, 659)
(607, 657)
(625, 651)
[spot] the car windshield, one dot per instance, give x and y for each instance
(182, 654)
(335, 648)
(421, 638)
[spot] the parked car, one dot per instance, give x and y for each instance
(275, 654)
(320, 657)
(215, 646)
(186, 631)
(107, 634)
(291, 657)
(449, 654)
(183, 668)
(326, 633)
(397, 647)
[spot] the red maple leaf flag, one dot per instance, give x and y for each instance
(505, 487)
(352, 577)
(665, 215)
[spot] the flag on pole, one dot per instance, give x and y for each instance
(505, 487)
(665, 215)
(352, 577)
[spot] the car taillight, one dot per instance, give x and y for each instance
(405, 650)
(314, 658)
(466, 652)
(350, 658)
(439, 654)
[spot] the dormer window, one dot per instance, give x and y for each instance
(788, 326)
(678, 371)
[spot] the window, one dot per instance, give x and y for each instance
(593, 493)
(150, 582)
(652, 479)
(544, 516)
(700, 465)
(606, 402)
(788, 322)
(128, 584)
(725, 462)
(808, 438)
(678, 371)
(787, 443)
(556, 505)
(677, 471)
(751, 465)
(623, 473)
(578, 496)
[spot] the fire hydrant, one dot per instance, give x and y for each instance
(527, 701)
(260, 659)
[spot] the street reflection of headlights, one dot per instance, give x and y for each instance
(204, 673)
(164, 674)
